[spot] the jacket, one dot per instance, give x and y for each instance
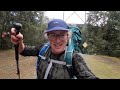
(58, 71)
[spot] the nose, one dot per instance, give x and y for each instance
(58, 39)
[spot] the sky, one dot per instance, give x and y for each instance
(71, 17)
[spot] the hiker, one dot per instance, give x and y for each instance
(52, 64)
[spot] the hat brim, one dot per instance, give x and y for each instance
(56, 29)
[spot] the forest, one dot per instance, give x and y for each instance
(101, 31)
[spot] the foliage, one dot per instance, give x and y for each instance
(34, 24)
(103, 33)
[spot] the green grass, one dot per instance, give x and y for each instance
(103, 66)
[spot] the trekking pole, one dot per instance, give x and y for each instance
(17, 26)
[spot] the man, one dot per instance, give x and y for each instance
(58, 36)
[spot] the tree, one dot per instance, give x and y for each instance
(103, 32)
(34, 24)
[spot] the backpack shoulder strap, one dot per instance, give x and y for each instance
(40, 56)
(68, 56)
(43, 50)
(68, 53)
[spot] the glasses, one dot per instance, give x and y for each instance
(54, 36)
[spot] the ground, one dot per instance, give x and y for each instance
(103, 67)
(8, 69)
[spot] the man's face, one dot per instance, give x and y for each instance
(58, 41)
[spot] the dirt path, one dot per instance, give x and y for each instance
(8, 70)
(104, 67)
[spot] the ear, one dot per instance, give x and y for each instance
(46, 36)
(69, 34)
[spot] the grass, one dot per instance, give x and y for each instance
(103, 67)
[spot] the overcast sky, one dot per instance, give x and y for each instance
(73, 17)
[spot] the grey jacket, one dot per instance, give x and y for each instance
(58, 71)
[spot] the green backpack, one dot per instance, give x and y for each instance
(76, 37)
(74, 44)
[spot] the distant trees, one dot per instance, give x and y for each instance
(103, 33)
(34, 23)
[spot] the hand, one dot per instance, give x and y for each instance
(16, 39)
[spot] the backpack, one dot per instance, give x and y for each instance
(76, 37)
(72, 46)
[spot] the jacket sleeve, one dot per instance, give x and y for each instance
(81, 70)
(31, 50)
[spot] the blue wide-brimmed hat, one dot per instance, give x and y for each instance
(57, 24)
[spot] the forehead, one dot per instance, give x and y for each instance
(57, 32)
